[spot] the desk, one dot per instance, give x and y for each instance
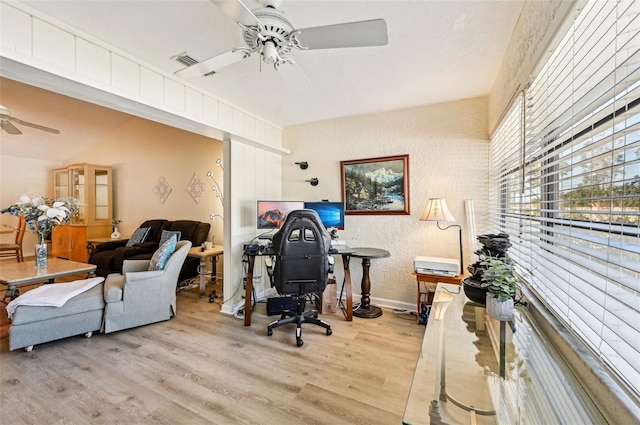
(431, 278)
(343, 251)
(212, 253)
(18, 274)
(366, 310)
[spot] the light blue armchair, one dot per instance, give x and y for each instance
(138, 296)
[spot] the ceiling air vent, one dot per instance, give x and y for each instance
(187, 60)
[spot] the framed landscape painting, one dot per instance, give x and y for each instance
(376, 185)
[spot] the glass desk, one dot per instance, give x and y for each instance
(474, 370)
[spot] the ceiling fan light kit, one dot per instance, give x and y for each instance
(268, 31)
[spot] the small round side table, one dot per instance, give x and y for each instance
(366, 310)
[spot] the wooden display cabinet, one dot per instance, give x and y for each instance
(92, 186)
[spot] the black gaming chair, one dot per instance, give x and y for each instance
(301, 268)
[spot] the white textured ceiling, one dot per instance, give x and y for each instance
(438, 51)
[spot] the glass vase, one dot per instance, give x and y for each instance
(41, 255)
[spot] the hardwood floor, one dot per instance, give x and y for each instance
(202, 367)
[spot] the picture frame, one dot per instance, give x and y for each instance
(376, 186)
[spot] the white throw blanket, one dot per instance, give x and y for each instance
(53, 295)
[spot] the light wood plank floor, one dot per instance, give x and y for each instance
(202, 367)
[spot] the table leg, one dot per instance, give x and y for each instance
(366, 310)
(346, 285)
(248, 291)
(203, 275)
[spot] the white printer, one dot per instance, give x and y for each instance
(436, 266)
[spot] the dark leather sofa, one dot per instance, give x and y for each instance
(109, 256)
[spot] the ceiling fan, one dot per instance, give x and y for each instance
(269, 32)
(6, 121)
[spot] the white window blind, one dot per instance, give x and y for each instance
(565, 176)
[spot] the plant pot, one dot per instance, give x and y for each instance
(499, 310)
(474, 291)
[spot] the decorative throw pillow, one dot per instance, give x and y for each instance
(160, 257)
(139, 236)
(166, 234)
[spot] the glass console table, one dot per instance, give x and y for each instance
(474, 370)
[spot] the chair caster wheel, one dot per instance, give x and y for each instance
(269, 332)
(299, 342)
(329, 332)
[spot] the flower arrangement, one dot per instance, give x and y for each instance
(43, 214)
(115, 222)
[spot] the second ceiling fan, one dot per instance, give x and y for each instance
(269, 32)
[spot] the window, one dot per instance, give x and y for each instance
(565, 182)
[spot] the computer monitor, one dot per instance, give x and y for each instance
(272, 214)
(331, 213)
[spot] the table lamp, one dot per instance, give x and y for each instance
(438, 211)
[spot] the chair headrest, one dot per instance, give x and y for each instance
(298, 222)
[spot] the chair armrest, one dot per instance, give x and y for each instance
(123, 253)
(152, 245)
(135, 266)
(110, 245)
(141, 276)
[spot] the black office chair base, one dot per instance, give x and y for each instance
(291, 317)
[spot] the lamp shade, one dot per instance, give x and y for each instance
(437, 210)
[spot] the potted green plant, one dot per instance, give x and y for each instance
(501, 282)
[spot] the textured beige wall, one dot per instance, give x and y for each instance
(140, 151)
(447, 146)
(20, 175)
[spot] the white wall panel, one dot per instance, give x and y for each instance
(211, 111)
(255, 174)
(53, 45)
(93, 61)
(151, 85)
(174, 95)
(193, 102)
(238, 122)
(225, 116)
(250, 126)
(15, 29)
(125, 74)
(259, 130)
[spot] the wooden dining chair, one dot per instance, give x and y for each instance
(15, 249)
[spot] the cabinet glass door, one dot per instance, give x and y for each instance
(78, 191)
(61, 184)
(102, 206)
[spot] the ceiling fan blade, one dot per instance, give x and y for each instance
(212, 64)
(351, 34)
(8, 127)
(36, 126)
(297, 80)
(238, 11)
